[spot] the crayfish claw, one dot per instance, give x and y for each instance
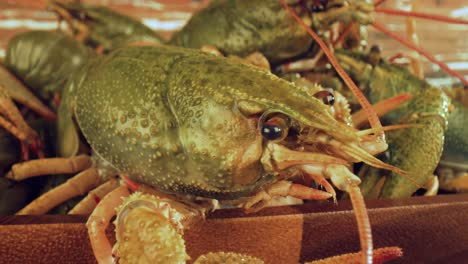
(149, 230)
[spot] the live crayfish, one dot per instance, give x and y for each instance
(286, 44)
(249, 165)
(248, 106)
(103, 28)
(382, 80)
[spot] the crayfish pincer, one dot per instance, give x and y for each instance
(189, 124)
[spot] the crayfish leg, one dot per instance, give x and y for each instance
(282, 189)
(16, 90)
(32, 168)
(98, 222)
(89, 203)
(75, 186)
(431, 186)
(15, 124)
(381, 108)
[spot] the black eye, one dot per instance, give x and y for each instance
(275, 128)
(375, 48)
(317, 5)
(272, 132)
(327, 97)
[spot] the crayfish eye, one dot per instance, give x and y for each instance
(275, 128)
(318, 5)
(327, 97)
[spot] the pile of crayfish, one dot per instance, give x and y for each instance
(239, 108)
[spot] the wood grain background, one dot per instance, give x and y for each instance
(429, 229)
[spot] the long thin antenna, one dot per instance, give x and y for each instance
(420, 51)
(373, 118)
(421, 15)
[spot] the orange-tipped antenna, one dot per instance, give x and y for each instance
(410, 45)
(421, 15)
(381, 108)
(363, 223)
(373, 118)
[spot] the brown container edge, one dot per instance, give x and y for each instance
(429, 229)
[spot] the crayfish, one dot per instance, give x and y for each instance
(184, 125)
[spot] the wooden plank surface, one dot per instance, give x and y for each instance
(429, 229)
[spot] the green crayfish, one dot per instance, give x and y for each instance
(101, 27)
(415, 149)
(233, 132)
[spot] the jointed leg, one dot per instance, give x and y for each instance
(432, 186)
(98, 222)
(283, 188)
(87, 205)
(320, 180)
(40, 167)
(81, 29)
(11, 87)
(15, 124)
(78, 185)
(381, 108)
(10, 117)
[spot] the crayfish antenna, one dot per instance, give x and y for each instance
(410, 45)
(381, 108)
(362, 218)
(372, 116)
(421, 15)
(387, 128)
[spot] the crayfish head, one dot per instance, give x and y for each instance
(326, 12)
(291, 144)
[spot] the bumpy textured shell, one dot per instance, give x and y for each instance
(146, 232)
(242, 27)
(108, 28)
(170, 117)
(456, 138)
(417, 149)
(44, 60)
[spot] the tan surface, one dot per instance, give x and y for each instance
(429, 229)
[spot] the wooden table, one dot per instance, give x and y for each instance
(429, 229)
